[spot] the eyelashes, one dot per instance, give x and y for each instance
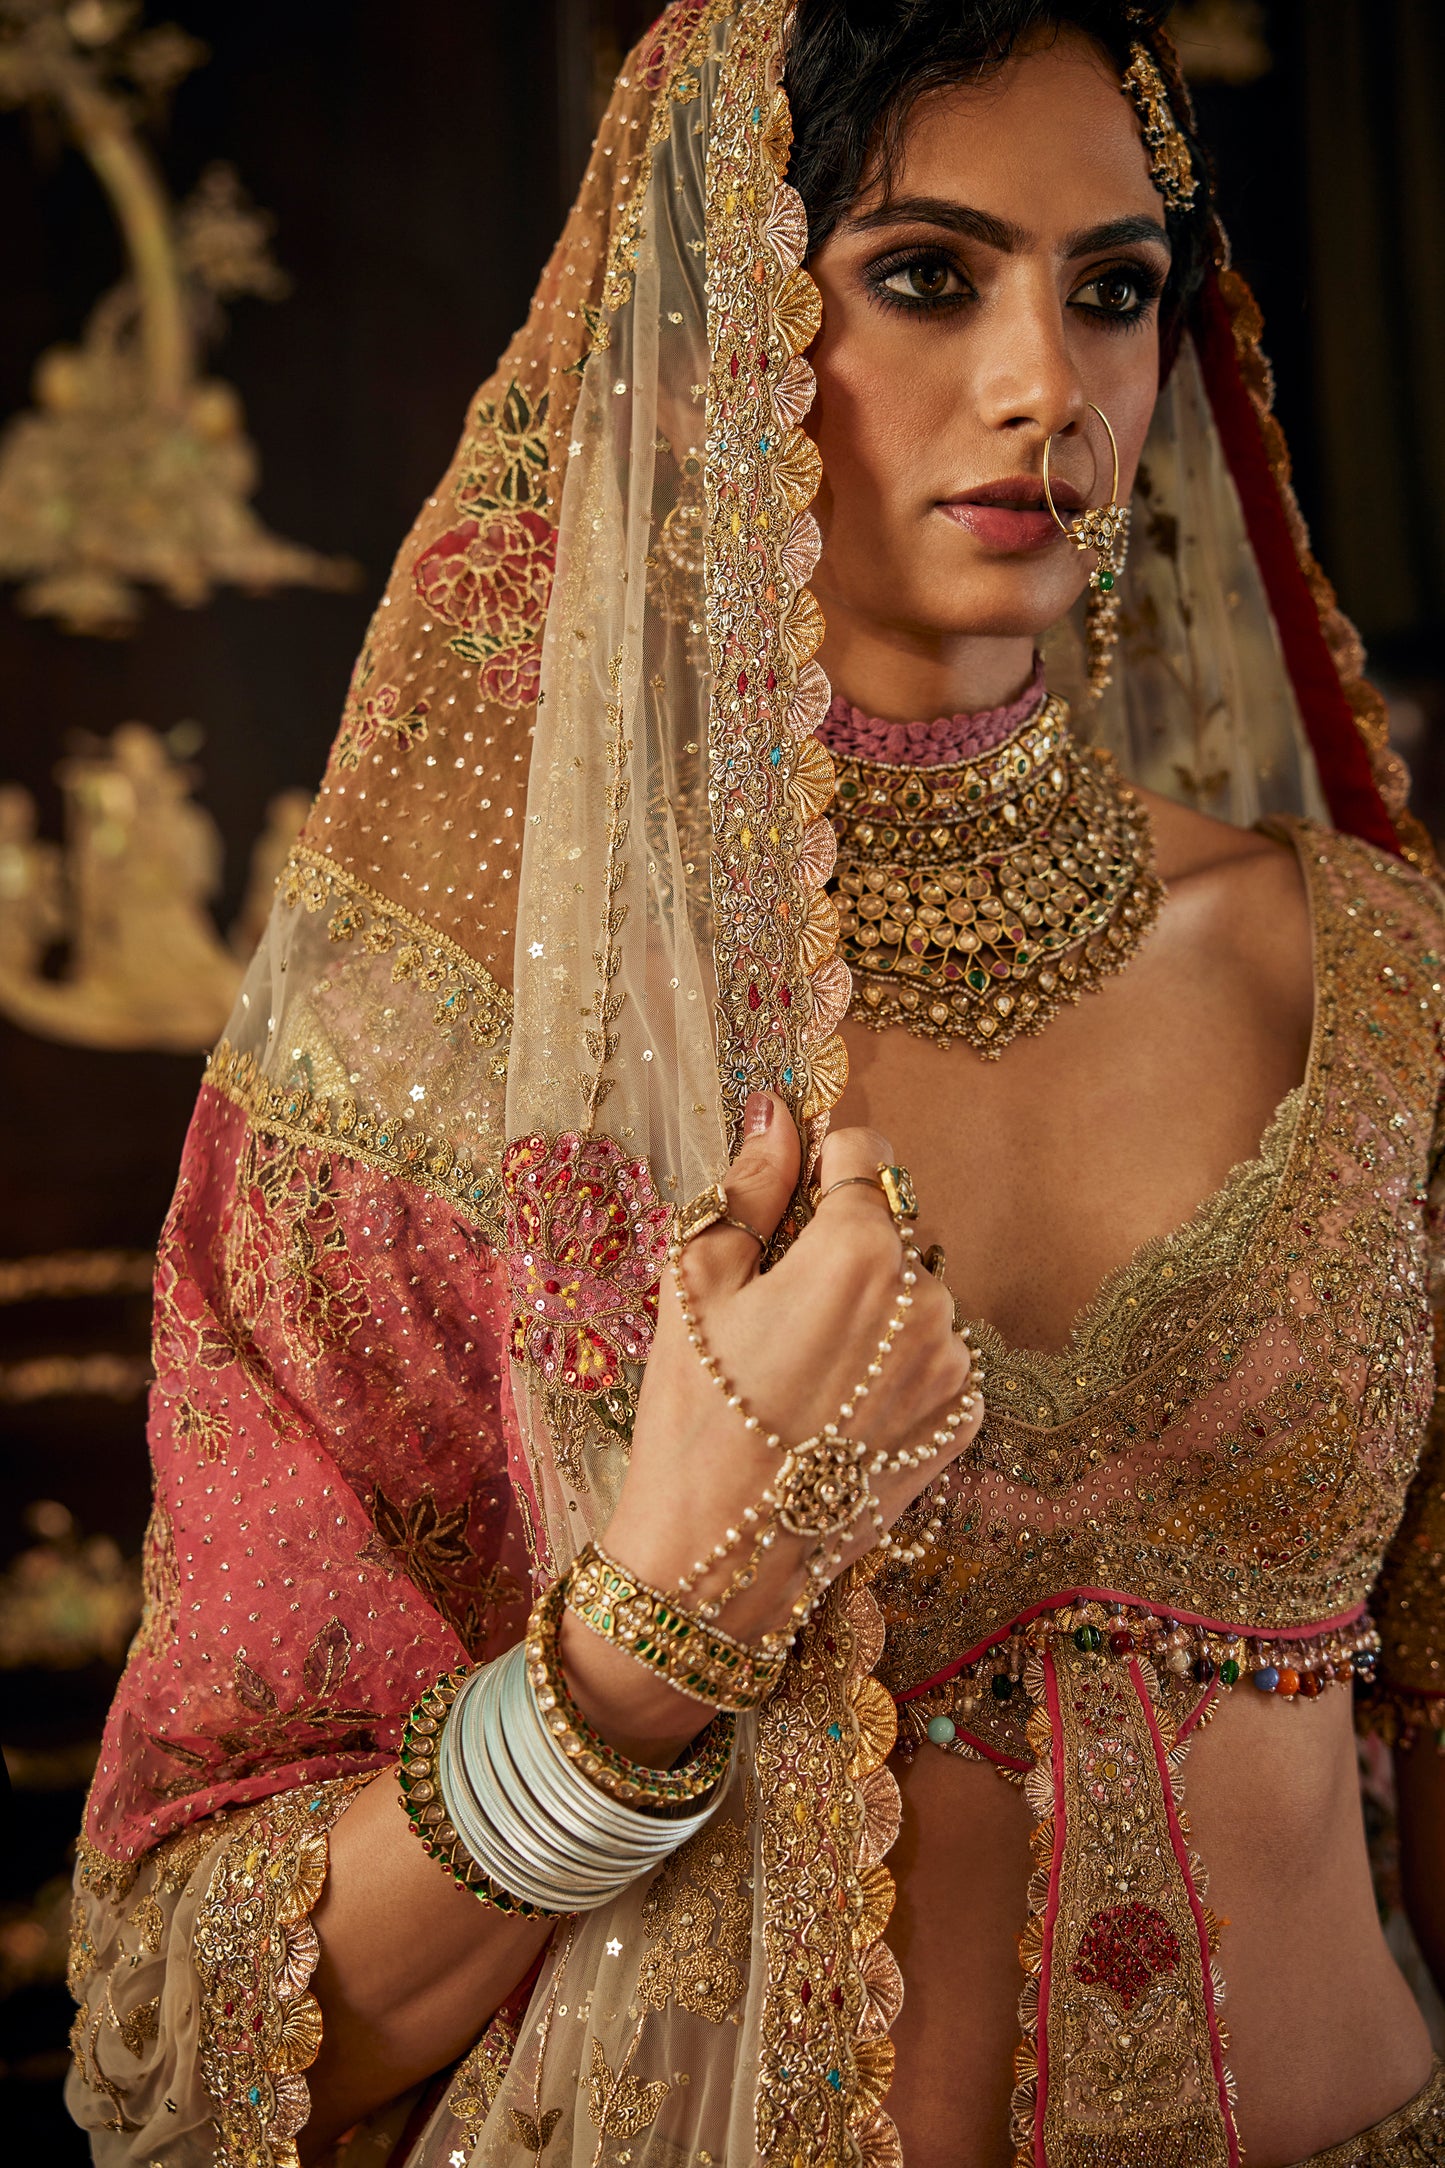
(929, 282)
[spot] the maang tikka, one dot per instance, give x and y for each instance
(1104, 529)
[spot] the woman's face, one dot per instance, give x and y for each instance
(1010, 278)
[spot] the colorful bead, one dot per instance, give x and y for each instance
(1121, 1643)
(1266, 1678)
(1088, 1638)
(1288, 1680)
(1204, 1672)
(1229, 1672)
(1002, 1685)
(942, 1730)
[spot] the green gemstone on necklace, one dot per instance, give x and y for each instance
(1106, 582)
(942, 1730)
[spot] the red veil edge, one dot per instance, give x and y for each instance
(1364, 782)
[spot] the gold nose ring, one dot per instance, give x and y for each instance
(1105, 528)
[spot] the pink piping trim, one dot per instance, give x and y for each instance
(1176, 1838)
(1051, 1914)
(1114, 1595)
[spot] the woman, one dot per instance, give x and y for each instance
(573, 918)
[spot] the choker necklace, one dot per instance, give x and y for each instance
(976, 897)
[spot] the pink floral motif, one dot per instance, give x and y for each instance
(1125, 1948)
(371, 715)
(492, 578)
(1111, 1770)
(586, 1239)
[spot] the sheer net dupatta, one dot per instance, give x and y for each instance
(675, 949)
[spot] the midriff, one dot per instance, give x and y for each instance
(1325, 2036)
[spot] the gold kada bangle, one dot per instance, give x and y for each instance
(425, 1809)
(636, 1784)
(699, 1659)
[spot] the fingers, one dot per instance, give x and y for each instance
(759, 1183)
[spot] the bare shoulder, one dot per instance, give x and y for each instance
(1242, 891)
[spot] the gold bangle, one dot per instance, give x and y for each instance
(699, 1659)
(425, 1809)
(634, 1783)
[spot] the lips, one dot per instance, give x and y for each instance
(1011, 516)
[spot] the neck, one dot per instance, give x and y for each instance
(901, 673)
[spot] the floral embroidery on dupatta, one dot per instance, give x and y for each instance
(585, 1241)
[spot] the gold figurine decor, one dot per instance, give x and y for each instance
(133, 468)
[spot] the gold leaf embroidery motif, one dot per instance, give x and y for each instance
(620, 2106)
(698, 1918)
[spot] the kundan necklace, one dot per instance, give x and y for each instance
(978, 893)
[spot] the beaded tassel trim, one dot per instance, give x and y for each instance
(1179, 1655)
(425, 1809)
(1404, 1719)
(974, 900)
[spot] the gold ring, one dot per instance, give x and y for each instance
(894, 1184)
(709, 1208)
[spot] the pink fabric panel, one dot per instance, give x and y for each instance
(335, 1517)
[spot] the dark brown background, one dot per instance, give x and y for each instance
(418, 163)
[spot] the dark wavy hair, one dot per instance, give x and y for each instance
(856, 67)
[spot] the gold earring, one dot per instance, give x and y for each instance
(1105, 530)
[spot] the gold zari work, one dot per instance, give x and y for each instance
(975, 899)
(1233, 1424)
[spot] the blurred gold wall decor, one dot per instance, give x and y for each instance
(133, 467)
(128, 897)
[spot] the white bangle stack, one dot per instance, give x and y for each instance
(527, 1815)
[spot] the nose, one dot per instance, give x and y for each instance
(1027, 383)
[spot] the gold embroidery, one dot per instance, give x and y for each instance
(771, 778)
(621, 2106)
(390, 1143)
(673, 65)
(1125, 2004)
(606, 1005)
(160, 1585)
(479, 2080)
(286, 1248)
(255, 1951)
(698, 1920)
(465, 990)
(1243, 1408)
(206, 1429)
(140, 2026)
(832, 1988)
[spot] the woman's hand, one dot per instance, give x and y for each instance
(793, 1343)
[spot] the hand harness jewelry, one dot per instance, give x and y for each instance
(975, 899)
(824, 1484)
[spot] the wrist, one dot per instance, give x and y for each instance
(640, 1716)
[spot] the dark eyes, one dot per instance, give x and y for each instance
(924, 279)
(1115, 293)
(928, 281)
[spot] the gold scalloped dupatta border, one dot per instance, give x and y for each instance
(828, 1805)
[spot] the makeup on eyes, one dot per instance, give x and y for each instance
(929, 263)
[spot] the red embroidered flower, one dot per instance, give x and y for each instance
(492, 579)
(1125, 1948)
(585, 1239)
(370, 716)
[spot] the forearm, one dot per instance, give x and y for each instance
(1420, 1790)
(411, 1967)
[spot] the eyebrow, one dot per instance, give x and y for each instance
(1001, 233)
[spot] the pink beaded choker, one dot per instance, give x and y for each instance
(851, 734)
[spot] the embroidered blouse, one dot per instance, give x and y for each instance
(1231, 1456)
